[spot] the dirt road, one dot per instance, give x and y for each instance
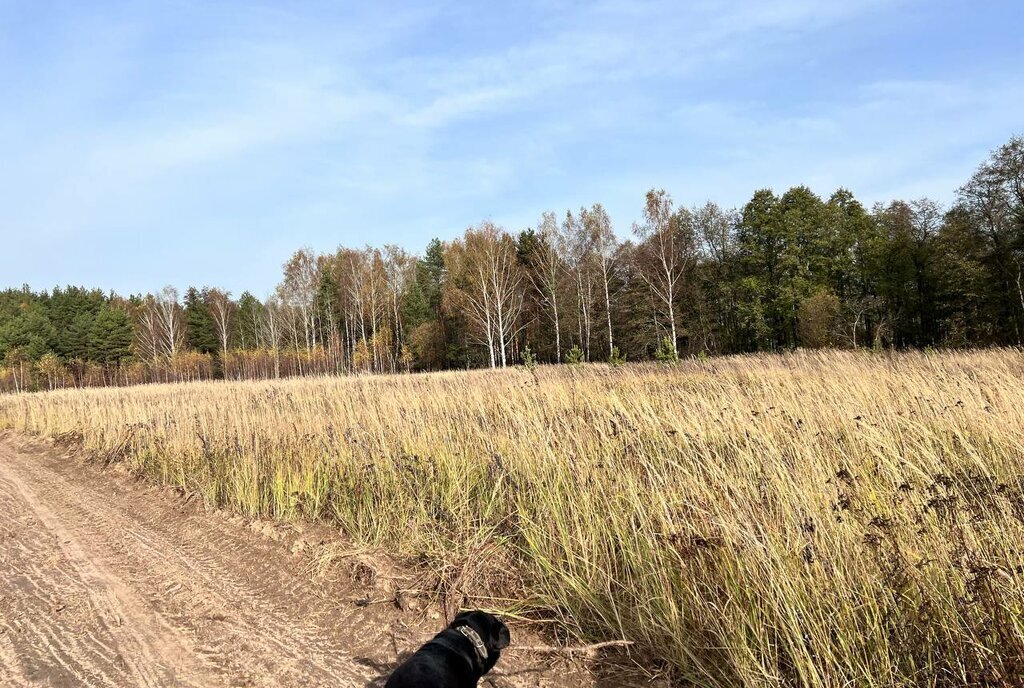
(105, 581)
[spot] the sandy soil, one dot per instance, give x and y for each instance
(107, 581)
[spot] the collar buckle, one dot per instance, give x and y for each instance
(475, 639)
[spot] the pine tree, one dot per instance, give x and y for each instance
(110, 339)
(73, 339)
(202, 334)
(247, 320)
(30, 332)
(71, 311)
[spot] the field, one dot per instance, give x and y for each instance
(805, 519)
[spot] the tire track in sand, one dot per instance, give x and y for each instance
(67, 621)
(103, 587)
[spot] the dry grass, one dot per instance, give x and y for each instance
(818, 520)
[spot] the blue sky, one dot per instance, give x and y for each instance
(181, 142)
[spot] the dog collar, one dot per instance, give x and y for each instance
(474, 637)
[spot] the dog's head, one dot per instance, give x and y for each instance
(491, 630)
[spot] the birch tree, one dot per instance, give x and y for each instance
(579, 260)
(665, 251)
(604, 247)
(353, 284)
(222, 309)
(147, 332)
(547, 271)
(399, 270)
(298, 290)
(487, 285)
(271, 325)
(170, 324)
(378, 305)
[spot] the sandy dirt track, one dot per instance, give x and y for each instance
(106, 581)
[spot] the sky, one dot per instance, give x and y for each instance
(200, 143)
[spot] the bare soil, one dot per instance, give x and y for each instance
(108, 581)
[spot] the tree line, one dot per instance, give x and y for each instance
(783, 271)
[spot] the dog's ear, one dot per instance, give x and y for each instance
(462, 616)
(504, 639)
(498, 637)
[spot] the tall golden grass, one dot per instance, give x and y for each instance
(825, 519)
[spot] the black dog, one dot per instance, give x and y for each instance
(457, 657)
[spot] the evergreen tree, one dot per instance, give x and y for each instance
(30, 333)
(202, 334)
(71, 311)
(73, 339)
(326, 304)
(430, 272)
(110, 339)
(247, 321)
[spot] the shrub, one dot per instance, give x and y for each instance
(666, 353)
(817, 319)
(529, 358)
(574, 356)
(616, 359)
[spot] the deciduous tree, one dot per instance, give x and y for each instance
(664, 253)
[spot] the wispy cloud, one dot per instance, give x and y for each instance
(131, 132)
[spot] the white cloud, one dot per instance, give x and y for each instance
(265, 127)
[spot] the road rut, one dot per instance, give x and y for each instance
(105, 585)
(106, 580)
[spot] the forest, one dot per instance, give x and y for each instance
(784, 271)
